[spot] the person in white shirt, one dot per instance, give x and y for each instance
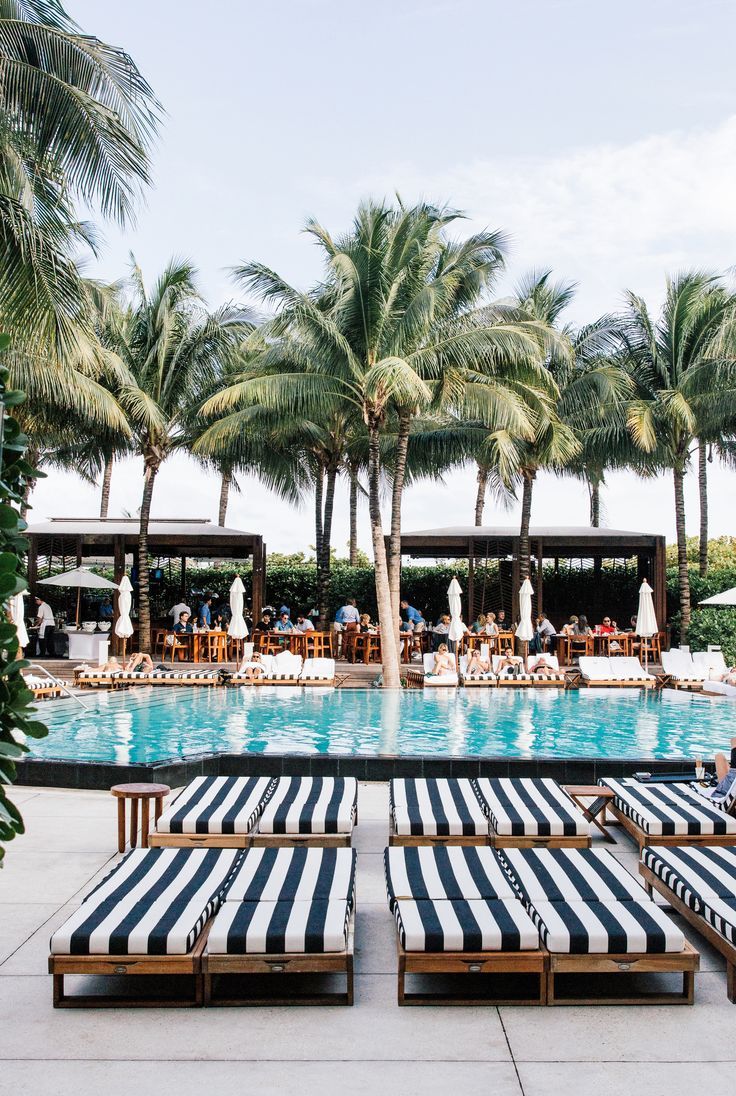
(46, 628)
(176, 610)
(304, 624)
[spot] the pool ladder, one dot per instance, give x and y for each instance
(60, 684)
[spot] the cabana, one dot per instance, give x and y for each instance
(60, 543)
(548, 545)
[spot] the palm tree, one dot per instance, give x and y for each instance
(172, 348)
(395, 316)
(685, 374)
(76, 123)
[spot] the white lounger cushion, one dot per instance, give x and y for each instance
(458, 872)
(602, 928)
(275, 928)
(287, 666)
(625, 668)
(488, 675)
(680, 665)
(459, 925)
(311, 805)
(437, 808)
(441, 679)
(268, 662)
(696, 874)
(668, 809)
(530, 807)
(595, 668)
(719, 688)
(296, 875)
(571, 875)
(154, 902)
(711, 662)
(321, 669)
(217, 804)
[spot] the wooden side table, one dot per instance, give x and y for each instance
(136, 793)
(599, 798)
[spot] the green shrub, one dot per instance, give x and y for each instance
(714, 625)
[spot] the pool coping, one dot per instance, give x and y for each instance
(97, 776)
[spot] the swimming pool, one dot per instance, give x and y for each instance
(145, 725)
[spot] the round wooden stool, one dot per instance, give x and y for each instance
(136, 792)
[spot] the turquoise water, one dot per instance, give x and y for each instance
(150, 724)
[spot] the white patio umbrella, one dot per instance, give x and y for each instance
(456, 630)
(525, 627)
(124, 625)
(646, 621)
(726, 597)
(79, 579)
(237, 628)
(16, 608)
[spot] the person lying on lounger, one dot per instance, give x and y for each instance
(444, 662)
(252, 667)
(477, 665)
(541, 668)
(111, 664)
(509, 662)
(141, 662)
(725, 771)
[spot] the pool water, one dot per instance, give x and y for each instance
(144, 725)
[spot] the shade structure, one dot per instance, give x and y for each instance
(726, 597)
(454, 594)
(124, 625)
(16, 608)
(237, 628)
(525, 627)
(78, 579)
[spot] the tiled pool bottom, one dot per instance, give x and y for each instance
(373, 734)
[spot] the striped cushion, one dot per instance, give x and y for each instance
(459, 925)
(154, 675)
(276, 928)
(668, 809)
(615, 928)
(507, 676)
(570, 875)
(217, 804)
(531, 807)
(458, 872)
(695, 874)
(154, 902)
(301, 874)
(439, 808)
(721, 914)
(311, 804)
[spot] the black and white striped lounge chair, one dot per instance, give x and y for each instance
(511, 675)
(476, 680)
(669, 814)
(288, 911)
(700, 883)
(525, 812)
(309, 810)
(156, 677)
(216, 811)
(594, 918)
(430, 811)
(146, 917)
(457, 913)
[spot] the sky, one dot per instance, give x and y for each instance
(601, 138)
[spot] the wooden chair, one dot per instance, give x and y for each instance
(366, 647)
(213, 647)
(181, 647)
(159, 643)
(319, 644)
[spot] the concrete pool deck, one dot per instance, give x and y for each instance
(374, 1047)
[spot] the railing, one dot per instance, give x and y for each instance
(59, 683)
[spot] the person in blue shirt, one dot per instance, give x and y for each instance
(283, 624)
(408, 612)
(348, 613)
(105, 611)
(204, 614)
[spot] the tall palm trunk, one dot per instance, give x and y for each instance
(225, 484)
(386, 617)
(526, 515)
(703, 490)
(397, 491)
(353, 516)
(323, 560)
(144, 604)
(683, 575)
(106, 483)
(319, 490)
(594, 490)
(480, 498)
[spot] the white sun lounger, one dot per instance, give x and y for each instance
(618, 671)
(682, 670)
(318, 671)
(430, 680)
(488, 678)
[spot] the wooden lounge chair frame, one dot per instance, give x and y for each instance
(329, 962)
(533, 841)
(687, 962)
(395, 838)
(611, 683)
(644, 839)
(117, 965)
(118, 682)
(469, 962)
(46, 692)
(200, 840)
(294, 840)
(653, 882)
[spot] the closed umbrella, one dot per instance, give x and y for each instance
(16, 607)
(124, 625)
(456, 630)
(646, 621)
(525, 627)
(237, 628)
(79, 579)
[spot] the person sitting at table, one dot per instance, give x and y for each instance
(183, 625)
(477, 665)
(632, 623)
(491, 626)
(509, 662)
(503, 624)
(265, 624)
(606, 628)
(478, 627)
(584, 629)
(283, 624)
(406, 627)
(364, 626)
(204, 612)
(252, 667)
(571, 628)
(141, 662)
(303, 624)
(541, 667)
(105, 610)
(441, 628)
(544, 635)
(444, 662)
